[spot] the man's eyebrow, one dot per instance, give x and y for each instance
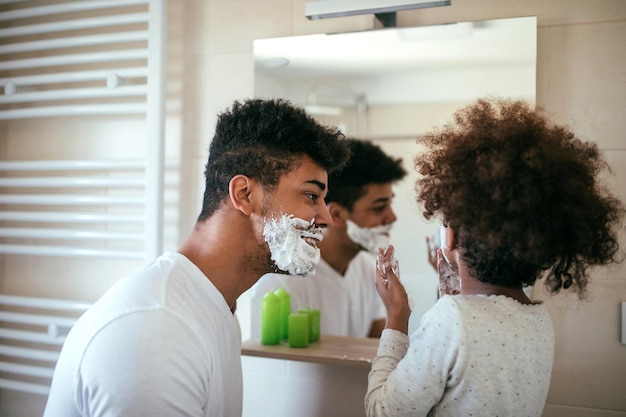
(320, 184)
(383, 199)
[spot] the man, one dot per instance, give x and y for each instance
(165, 341)
(359, 201)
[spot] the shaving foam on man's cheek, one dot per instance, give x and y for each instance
(278, 237)
(289, 251)
(370, 238)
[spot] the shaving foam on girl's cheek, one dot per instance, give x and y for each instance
(289, 251)
(443, 237)
(443, 241)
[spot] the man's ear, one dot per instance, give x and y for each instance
(339, 214)
(240, 191)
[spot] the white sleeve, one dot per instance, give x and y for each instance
(144, 363)
(409, 378)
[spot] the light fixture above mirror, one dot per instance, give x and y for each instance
(384, 10)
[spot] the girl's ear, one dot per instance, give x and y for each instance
(240, 190)
(338, 213)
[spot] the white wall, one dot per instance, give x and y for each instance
(280, 388)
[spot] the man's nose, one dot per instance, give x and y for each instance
(323, 217)
(390, 216)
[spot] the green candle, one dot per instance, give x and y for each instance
(314, 323)
(314, 317)
(270, 315)
(285, 309)
(299, 330)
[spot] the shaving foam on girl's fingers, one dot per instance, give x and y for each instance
(380, 260)
(390, 255)
(395, 267)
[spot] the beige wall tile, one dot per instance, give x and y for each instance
(222, 79)
(580, 79)
(589, 366)
(231, 26)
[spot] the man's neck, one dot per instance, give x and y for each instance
(212, 249)
(338, 251)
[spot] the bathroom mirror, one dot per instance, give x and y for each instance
(391, 85)
(395, 82)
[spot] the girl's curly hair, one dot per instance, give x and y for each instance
(522, 194)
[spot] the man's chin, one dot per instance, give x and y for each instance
(298, 272)
(296, 275)
(300, 263)
(306, 274)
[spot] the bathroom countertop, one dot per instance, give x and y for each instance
(331, 350)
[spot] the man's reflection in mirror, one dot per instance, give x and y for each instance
(359, 200)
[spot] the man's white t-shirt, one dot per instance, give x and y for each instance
(348, 304)
(161, 342)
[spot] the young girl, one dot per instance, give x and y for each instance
(519, 199)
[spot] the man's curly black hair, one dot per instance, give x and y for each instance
(368, 164)
(522, 194)
(265, 139)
